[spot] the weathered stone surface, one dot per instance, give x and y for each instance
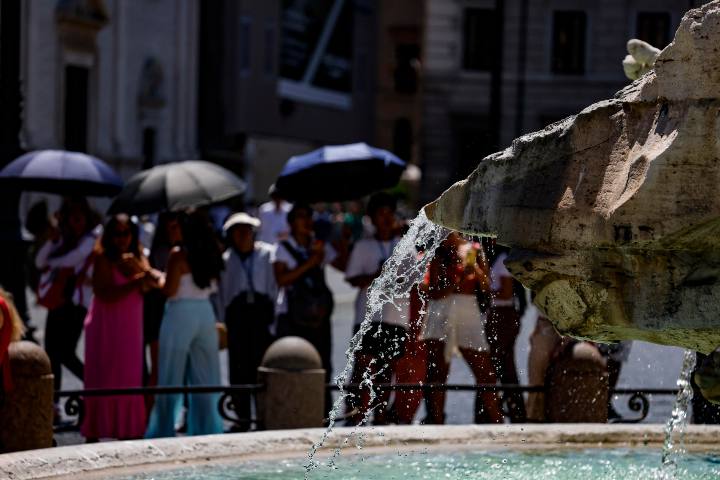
(294, 393)
(26, 412)
(114, 459)
(577, 387)
(613, 214)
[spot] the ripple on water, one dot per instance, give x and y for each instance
(595, 464)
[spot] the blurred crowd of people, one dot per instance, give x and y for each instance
(157, 300)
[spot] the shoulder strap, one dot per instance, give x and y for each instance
(315, 274)
(293, 252)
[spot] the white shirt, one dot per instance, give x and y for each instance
(76, 258)
(497, 273)
(234, 279)
(367, 258)
(281, 255)
(274, 226)
(188, 290)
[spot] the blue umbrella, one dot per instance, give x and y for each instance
(337, 173)
(61, 172)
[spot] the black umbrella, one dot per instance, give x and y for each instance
(61, 172)
(337, 173)
(177, 186)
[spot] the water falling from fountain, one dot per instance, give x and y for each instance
(404, 269)
(674, 447)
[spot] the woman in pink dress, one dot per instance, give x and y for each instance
(114, 333)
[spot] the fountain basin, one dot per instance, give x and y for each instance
(118, 459)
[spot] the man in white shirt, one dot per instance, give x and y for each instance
(246, 302)
(274, 226)
(384, 342)
(305, 303)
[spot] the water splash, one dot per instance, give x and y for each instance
(674, 446)
(404, 269)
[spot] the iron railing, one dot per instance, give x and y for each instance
(75, 406)
(638, 399)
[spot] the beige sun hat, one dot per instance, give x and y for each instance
(241, 218)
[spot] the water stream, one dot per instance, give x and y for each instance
(405, 268)
(674, 446)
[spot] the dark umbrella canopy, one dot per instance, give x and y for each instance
(338, 173)
(177, 186)
(61, 172)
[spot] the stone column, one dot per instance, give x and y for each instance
(294, 394)
(26, 412)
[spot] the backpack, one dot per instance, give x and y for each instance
(309, 300)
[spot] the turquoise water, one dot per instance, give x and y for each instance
(584, 465)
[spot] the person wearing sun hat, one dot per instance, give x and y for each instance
(246, 301)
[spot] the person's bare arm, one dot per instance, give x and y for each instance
(284, 276)
(506, 289)
(105, 288)
(74, 257)
(483, 278)
(439, 285)
(343, 254)
(362, 281)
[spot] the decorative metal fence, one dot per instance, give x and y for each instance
(638, 399)
(74, 407)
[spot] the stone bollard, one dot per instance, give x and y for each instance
(294, 380)
(26, 412)
(577, 387)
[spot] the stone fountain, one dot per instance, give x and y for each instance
(613, 214)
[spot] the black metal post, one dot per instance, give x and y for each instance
(12, 249)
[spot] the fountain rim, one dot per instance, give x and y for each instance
(97, 460)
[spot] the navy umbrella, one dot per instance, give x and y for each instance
(177, 186)
(338, 173)
(61, 172)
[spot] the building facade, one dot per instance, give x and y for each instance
(283, 77)
(495, 69)
(113, 78)
(398, 109)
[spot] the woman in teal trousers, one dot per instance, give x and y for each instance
(188, 346)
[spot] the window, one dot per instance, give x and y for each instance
(403, 139)
(568, 47)
(479, 39)
(269, 48)
(76, 108)
(148, 147)
(654, 28)
(245, 33)
(473, 140)
(407, 60)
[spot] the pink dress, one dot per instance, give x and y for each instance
(113, 359)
